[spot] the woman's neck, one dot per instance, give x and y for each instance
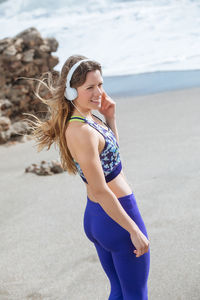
(87, 114)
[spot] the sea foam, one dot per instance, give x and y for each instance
(127, 37)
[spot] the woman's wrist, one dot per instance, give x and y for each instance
(111, 121)
(134, 228)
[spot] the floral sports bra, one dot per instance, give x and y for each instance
(110, 156)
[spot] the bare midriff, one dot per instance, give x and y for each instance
(118, 186)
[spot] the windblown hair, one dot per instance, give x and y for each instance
(53, 127)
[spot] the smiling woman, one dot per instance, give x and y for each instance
(90, 147)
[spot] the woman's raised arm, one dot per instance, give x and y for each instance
(113, 126)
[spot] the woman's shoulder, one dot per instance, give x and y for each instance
(76, 131)
(79, 137)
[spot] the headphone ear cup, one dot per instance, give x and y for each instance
(71, 93)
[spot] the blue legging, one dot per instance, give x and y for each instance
(127, 273)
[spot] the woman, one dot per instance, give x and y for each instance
(112, 221)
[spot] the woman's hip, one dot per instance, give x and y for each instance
(99, 226)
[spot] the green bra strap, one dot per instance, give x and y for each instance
(77, 118)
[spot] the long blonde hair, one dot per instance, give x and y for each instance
(59, 110)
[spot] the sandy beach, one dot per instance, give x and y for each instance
(44, 252)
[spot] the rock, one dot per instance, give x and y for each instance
(10, 51)
(5, 123)
(5, 104)
(56, 167)
(25, 55)
(5, 107)
(15, 131)
(18, 128)
(45, 168)
(5, 132)
(19, 44)
(31, 37)
(52, 61)
(5, 136)
(45, 48)
(4, 44)
(28, 55)
(51, 43)
(2, 79)
(18, 56)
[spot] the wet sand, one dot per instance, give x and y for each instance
(44, 253)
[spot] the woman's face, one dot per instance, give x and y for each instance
(89, 94)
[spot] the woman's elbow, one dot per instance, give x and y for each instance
(99, 190)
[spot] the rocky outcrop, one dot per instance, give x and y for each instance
(26, 55)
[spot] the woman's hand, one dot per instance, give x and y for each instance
(108, 106)
(140, 242)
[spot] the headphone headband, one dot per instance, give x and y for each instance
(73, 68)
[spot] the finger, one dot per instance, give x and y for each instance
(141, 252)
(104, 92)
(147, 249)
(144, 250)
(103, 107)
(137, 252)
(102, 99)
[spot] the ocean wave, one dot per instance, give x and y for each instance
(127, 37)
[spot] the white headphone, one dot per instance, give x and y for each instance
(71, 93)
